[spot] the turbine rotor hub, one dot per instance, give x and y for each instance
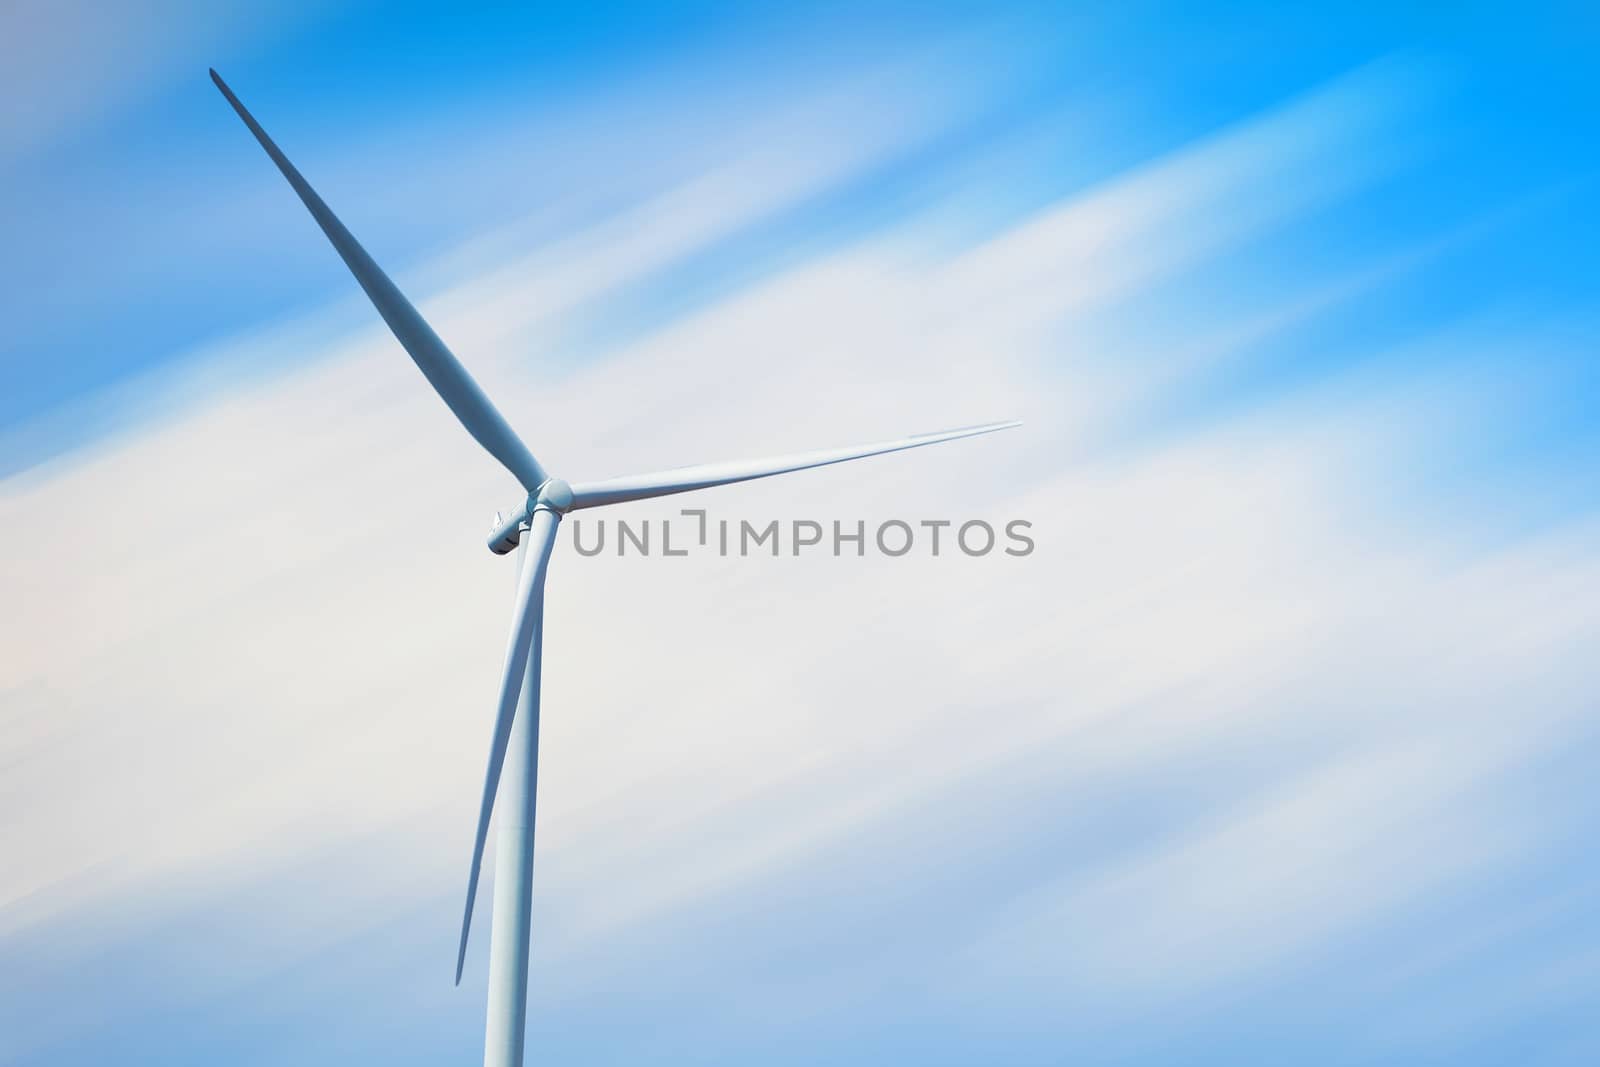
(555, 495)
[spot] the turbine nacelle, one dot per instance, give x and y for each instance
(506, 533)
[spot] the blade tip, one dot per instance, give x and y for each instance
(996, 427)
(222, 87)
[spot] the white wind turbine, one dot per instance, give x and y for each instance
(514, 748)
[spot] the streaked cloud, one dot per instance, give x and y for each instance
(1246, 705)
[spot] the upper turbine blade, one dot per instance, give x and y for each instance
(448, 378)
(537, 543)
(706, 475)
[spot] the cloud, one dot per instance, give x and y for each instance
(1237, 706)
(69, 65)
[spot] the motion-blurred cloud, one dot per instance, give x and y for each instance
(1276, 722)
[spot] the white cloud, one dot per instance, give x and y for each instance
(67, 65)
(268, 626)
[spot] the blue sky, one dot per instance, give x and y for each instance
(1279, 747)
(121, 197)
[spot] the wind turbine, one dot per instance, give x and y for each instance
(531, 528)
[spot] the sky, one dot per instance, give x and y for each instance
(1278, 746)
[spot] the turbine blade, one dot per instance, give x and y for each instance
(537, 543)
(447, 376)
(687, 479)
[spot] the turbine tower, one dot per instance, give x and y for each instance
(530, 529)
